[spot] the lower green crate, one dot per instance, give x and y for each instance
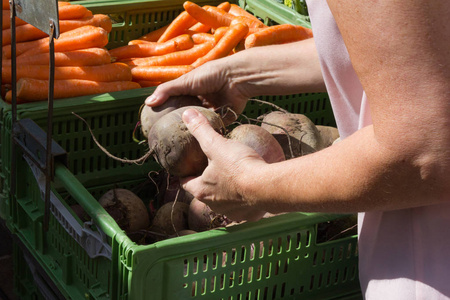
(97, 260)
(113, 118)
(29, 281)
(273, 258)
(277, 257)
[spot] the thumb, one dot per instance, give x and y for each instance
(164, 90)
(199, 126)
(191, 184)
(159, 96)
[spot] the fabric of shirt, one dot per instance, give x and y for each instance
(403, 254)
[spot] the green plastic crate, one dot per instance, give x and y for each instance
(272, 12)
(30, 281)
(297, 5)
(112, 116)
(269, 259)
(98, 261)
(24, 285)
(132, 19)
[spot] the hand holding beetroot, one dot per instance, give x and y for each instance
(212, 87)
(220, 184)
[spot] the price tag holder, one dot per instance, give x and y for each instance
(42, 14)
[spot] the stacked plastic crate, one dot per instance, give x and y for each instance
(269, 259)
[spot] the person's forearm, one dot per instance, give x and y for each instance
(356, 174)
(403, 160)
(278, 69)
(230, 81)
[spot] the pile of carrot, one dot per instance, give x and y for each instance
(83, 66)
(196, 36)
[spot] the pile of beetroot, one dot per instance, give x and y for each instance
(275, 136)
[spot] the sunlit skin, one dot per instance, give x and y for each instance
(401, 161)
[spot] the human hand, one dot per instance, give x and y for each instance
(211, 82)
(230, 163)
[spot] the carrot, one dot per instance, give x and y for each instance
(73, 11)
(250, 22)
(219, 33)
(202, 37)
(81, 57)
(240, 46)
(178, 43)
(30, 89)
(6, 21)
(101, 73)
(159, 73)
(64, 14)
(208, 16)
(278, 34)
(136, 42)
(25, 32)
(200, 27)
(177, 27)
(8, 98)
(99, 20)
(219, 11)
(225, 6)
(154, 35)
(236, 10)
(185, 57)
(146, 83)
(28, 32)
(80, 38)
(253, 30)
(225, 45)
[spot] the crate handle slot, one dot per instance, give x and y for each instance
(94, 242)
(40, 282)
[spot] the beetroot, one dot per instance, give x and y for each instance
(126, 208)
(149, 115)
(267, 147)
(328, 134)
(171, 218)
(175, 148)
(169, 189)
(296, 133)
(201, 217)
(260, 140)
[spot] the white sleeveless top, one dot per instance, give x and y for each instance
(403, 254)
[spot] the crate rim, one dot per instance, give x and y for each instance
(214, 237)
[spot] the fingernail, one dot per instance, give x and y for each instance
(190, 115)
(150, 100)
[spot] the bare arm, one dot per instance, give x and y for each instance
(270, 70)
(403, 160)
